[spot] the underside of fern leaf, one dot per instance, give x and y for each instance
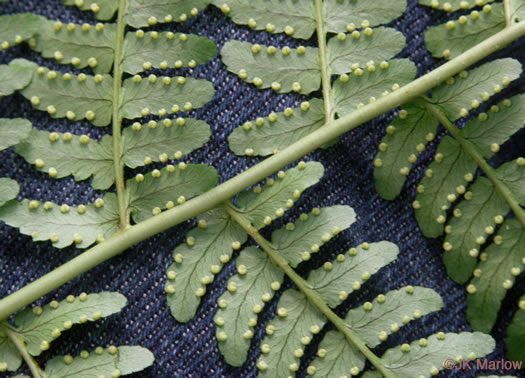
(302, 312)
(480, 214)
(351, 51)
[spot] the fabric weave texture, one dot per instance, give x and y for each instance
(190, 350)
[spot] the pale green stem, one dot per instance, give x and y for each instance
(313, 296)
(508, 12)
(117, 119)
(326, 77)
(222, 193)
(30, 361)
(491, 174)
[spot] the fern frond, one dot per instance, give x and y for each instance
(163, 95)
(102, 9)
(15, 76)
(143, 51)
(375, 320)
(495, 274)
(335, 281)
(162, 189)
(61, 224)
(344, 53)
(17, 28)
(283, 70)
(61, 155)
(208, 247)
(336, 357)
(265, 136)
(113, 361)
(162, 141)
(143, 13)
(274, 16)
(80, 45)
(456, 36)
(75, 97)
(264, 204)
(471, 88)
(297, 241)
(13, 131)
(425, 357)
(346, 16)
(254, 285)
(288, 334)
(516, 333)
(39, 326)
(364, 86)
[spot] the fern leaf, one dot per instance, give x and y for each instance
(168, 139)
(8, 190)
(343, 16)
(374, 321)
(452, 5)
(16, 28)
(263, 205)
(494, 275)
(516, 334)
(336, 356)
(102, 9)
(161, 96)
(265, 136)
(14, 76)
(445, 178)
(496, 126)
(365, 86)
(424, 358)
(248, 291)
(334, 281)
(207, 248)
(405, 139)
(310, 232)
(162, 189)
(457, 36)
(81, 45)
(284, 70)
(41, 325)
(75, 97)
(295, 19)
(467, 233)
(142, 13)
(61, 155)
(513, 175)
(288, 334)
(383, 44)
(9, 354)
(469, 89)
(13, 131)
(155, 50)
(113, 361)
(64, 225)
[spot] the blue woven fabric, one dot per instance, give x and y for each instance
(190, 350)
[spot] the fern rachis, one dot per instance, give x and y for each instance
(211, 200)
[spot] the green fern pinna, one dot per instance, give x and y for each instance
(354, 67)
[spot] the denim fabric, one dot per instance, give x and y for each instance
(190, 350)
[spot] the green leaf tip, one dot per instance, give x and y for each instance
(39, 326)
(112, 362)
(13, 131)
(143, 13)
(8, 190)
